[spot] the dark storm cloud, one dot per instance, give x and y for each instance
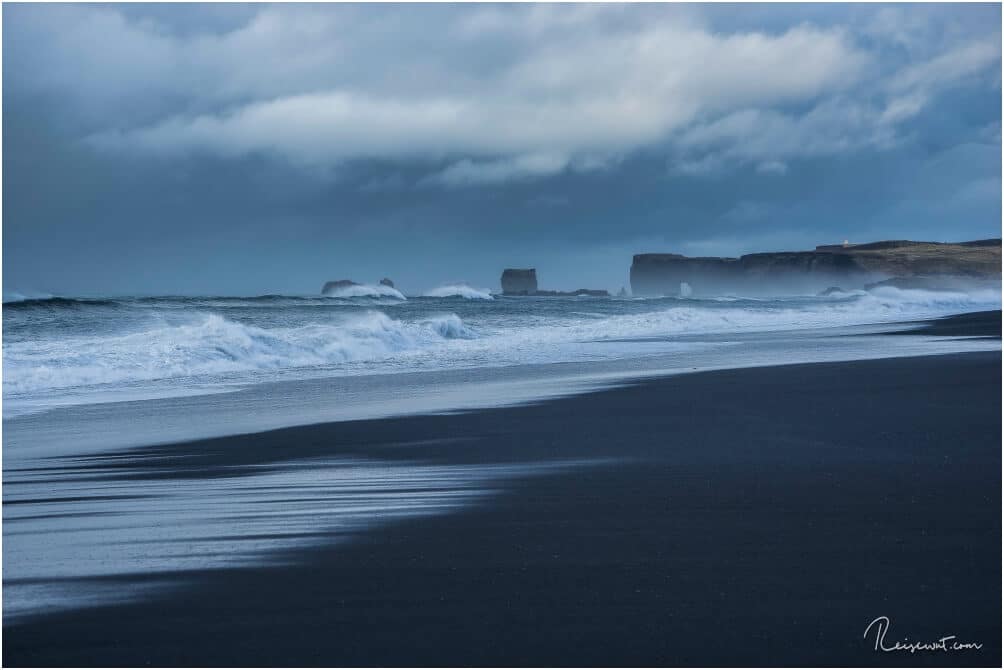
(233, 148)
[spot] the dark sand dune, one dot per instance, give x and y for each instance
(749, 517)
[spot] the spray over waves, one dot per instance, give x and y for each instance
(725, 315)
(450, 327)
(365, 291)
(459, 291)
(11, 297)
(209, 344)
(72, 344)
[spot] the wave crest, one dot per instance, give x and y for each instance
(366, 291)
(450, 327)
(209, 344)
(187, 338)
(459, 291)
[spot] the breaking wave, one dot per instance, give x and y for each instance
(721, 315)
(210, 344)
(459, 291)
(366, 291)
(61, 343)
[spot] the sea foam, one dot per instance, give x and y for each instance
(56, 344)
(209, 344)
(459, 291)
(366, 291)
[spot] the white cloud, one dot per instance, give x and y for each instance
(770, 138)
(590, 93)
(498, 92)
(950, 67)
(837, 124)
(902, 108)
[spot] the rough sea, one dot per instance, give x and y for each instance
(86, 381)
(60, 352)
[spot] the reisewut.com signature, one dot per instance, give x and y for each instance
(880, 627)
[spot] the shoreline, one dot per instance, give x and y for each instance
(985, 324)
(756, 516)
(248, 409)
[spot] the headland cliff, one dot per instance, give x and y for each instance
(931, 265)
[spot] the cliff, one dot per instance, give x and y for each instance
(846, 266)
(979, 259)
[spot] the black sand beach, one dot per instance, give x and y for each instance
(973, 324)
(750, 517)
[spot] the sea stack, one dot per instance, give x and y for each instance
(519, 282)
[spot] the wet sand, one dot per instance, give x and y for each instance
(973, 324)
(748, 517)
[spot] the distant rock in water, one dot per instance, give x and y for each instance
(519, 282)
(338, 285)
(346, 288)
(831, 290)
(852, 266)
(524, 282)
(386, 282)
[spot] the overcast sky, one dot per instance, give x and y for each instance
(235, 149)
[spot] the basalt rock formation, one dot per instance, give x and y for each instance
(979, 259)
(524, 282)
(519, 282)
(847, 266)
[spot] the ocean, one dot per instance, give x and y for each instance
(74, 352)
(90, 384)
